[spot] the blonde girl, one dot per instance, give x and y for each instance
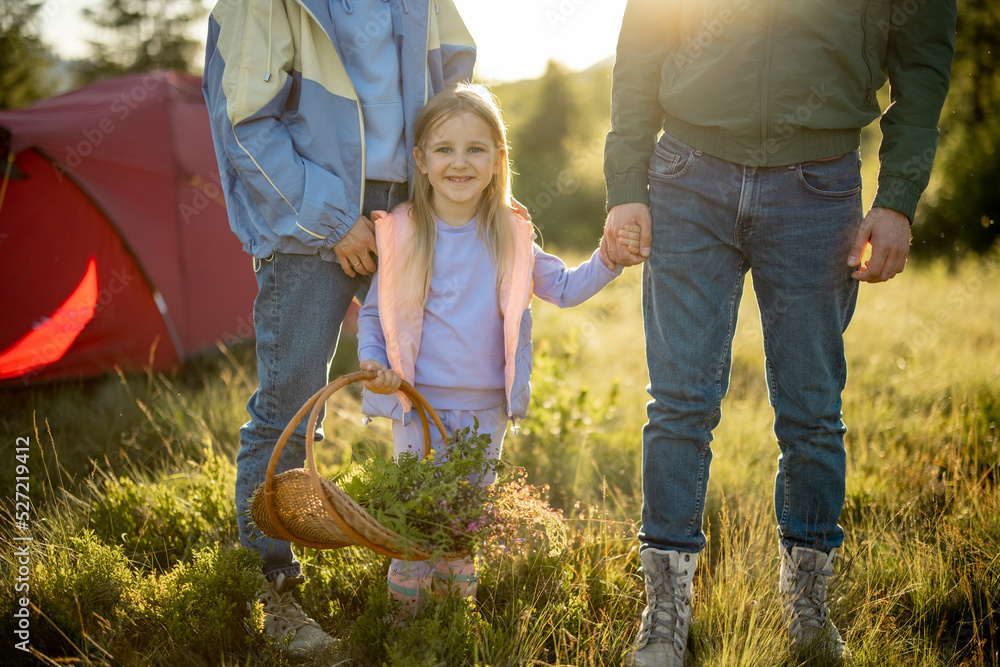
(449, 309)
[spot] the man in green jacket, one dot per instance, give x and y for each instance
(761, 104)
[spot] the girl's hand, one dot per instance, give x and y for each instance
(628, 237)
(386, 382)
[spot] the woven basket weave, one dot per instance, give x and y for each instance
(303, 507)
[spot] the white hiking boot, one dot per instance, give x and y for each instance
(285, 622)
(666, 620)
(804, 574)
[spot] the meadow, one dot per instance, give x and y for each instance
(133, 561)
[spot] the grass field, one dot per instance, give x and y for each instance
(132, 560)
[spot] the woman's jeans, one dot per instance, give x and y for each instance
(793, 227)
(301, 302)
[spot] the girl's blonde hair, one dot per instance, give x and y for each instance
(493, 219)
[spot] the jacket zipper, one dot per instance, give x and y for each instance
(765, 106)
(357, 101)
(427, 65)
(864, 51)
(381, 301)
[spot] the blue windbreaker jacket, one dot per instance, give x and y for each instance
(286, 120)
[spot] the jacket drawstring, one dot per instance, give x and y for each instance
(347, 6)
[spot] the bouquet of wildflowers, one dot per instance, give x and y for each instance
(440, 504)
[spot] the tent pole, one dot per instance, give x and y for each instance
(6, 177)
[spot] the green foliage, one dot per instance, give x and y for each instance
(557, 127)
(918, 575)
(24, 58)
(86, 590)
(204, 608)
(439, 505)
(441, 635)
(963, 205)
(562, 434)
(161, 523)
(366, 642)
(96, 605)
(141, 36)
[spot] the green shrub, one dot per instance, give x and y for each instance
(204, 609)
(159, 523)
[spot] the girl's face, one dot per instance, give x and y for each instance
(459, 159)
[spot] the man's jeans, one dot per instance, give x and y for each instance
(793, 227)
(300, 305)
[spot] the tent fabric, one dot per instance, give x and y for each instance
(122, 173)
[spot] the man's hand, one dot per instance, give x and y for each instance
(888, 231)
(620, 217)
(353, 250)
(386, 382)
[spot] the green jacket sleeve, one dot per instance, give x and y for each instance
(921, 45)
(648, 33)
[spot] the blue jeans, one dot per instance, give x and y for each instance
(300, 305)
(792, 226)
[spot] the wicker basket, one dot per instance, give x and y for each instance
(302, 507)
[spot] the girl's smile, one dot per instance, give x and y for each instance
(459, 159)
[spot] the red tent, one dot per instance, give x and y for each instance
(115, 248)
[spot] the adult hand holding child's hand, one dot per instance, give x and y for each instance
(386, 382)
(619, 246)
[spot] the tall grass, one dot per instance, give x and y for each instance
(134, 561)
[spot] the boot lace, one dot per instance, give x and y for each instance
(283, 611)
(664, 616)
(806, 602)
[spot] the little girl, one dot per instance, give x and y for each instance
(449, 308)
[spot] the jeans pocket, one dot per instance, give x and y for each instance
(831, 178)
(670, 158)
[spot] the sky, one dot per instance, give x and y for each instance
(515, 38)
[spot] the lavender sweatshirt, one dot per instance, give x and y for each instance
(460, 365)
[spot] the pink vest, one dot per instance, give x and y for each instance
(402, 321)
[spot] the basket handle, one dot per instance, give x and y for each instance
(316, 403)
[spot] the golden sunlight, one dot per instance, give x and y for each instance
(517, 38)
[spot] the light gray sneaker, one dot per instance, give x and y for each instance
(804, 575)
(666, 620)
(285, 622)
